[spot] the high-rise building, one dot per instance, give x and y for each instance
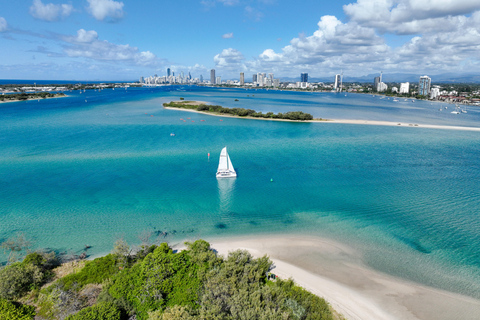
(168, 72)
(434, 92)
(404, 87)
(201, 78)
(376, 81)
(382, 86)
(218, 80)
(260, 79)
(338, 80)
(141, 80)
(270, 75)
(242, 78)
(424, 86)
(304, 77)
(254, 78)
(212, 76)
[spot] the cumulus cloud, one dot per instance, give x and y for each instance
(409, 16)
(3, 24)
(229, 59)
(50, 11)
(227, 35)
(86, 44)
(334, 43)
(109, 10)
(84, 36)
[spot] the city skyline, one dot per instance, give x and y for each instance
(122, 40)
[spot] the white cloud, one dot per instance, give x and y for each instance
(253, 13)
(229, 59)
(50, 11)
(409, 16)
(227, 35)
(3, 24)
(86, 44)
(334, 43)
(229, 2)
(84, 36)
(106, 9)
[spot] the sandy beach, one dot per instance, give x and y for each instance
(336, 272)
(344, 121)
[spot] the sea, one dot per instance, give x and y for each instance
(98, 166)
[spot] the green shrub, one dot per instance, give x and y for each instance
(18, 278)
(95, 271)
(101, 311)
(12, 310)
(162, 279)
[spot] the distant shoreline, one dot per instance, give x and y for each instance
(340, 121)
(35, 98)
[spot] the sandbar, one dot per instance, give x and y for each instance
(336, 272)
(342, 121)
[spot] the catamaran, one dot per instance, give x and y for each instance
(225, 167)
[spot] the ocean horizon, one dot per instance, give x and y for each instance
(101, 165)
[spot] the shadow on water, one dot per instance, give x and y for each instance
(413, 244)
(221, 226)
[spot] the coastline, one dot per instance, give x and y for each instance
(30, 99)
(336, 272)
(341, 121)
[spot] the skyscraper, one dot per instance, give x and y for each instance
(212, 76)
(338, 80)
(254, 78)
(242, 78)
(304, 77)
(424, 86)
(168, 72)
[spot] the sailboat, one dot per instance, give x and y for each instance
(225, 167)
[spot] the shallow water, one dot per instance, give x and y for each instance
(75, 173)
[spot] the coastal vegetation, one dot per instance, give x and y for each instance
(239, 112)
(154, 283)
(29, 96)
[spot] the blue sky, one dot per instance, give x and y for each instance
(123, 40)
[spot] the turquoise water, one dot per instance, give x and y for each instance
(75, 173)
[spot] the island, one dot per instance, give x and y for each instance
(202, 107)
(29, 96)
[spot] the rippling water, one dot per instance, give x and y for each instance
(75, 173)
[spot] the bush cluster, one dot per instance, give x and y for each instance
(157, 284)
(26, 96)
(241, 112)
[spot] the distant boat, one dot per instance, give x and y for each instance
(396, 100)
(456, 110)
(225, 167)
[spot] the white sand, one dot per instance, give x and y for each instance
(336, 272)
(399, 124)
(345, 121)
